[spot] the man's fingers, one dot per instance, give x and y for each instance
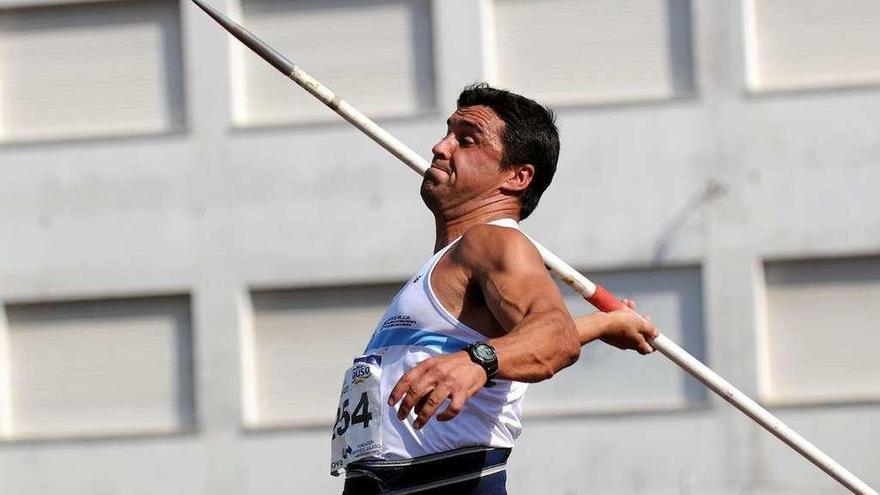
(413, 395)
(403, 385)
(408, 391)
(428, 405)
(452, 410)
(649, 330)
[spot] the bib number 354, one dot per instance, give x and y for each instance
(361, 415)
(357, 431)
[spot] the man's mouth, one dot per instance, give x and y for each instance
(441, 168)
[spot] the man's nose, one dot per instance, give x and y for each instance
(443, 148)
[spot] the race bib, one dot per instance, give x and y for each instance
(357, 432)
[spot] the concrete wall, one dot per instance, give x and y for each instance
(720, 178)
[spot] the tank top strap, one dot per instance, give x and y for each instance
(505, 222)
(501, 222)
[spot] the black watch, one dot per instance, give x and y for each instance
(484, 355)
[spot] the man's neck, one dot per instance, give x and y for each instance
(449, 229)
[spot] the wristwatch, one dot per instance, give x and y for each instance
(484, 355)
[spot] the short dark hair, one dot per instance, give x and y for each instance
(530, 136)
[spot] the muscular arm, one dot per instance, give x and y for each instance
(540, 336)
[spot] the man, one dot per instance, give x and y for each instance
(434, 404)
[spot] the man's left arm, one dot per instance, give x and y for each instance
(540, 339)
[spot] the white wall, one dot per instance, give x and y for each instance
(713, 183)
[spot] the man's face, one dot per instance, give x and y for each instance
(467, 161)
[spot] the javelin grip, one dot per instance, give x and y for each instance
(605, 301)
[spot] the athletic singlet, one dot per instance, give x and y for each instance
(416, 327)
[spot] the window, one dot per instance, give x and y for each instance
(103, 367)
(571, 51)
(796, 44)
(822, 330)
(376, 54)
(95, 69)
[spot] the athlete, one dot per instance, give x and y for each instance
(434, 404)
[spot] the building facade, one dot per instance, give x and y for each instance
(192, 249)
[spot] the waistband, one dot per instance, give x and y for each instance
(424, 473)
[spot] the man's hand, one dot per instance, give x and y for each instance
(623, 329)
(627, 330)
(426, 386)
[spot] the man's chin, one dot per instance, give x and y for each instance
(429, 191)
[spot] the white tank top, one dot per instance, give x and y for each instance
(415, 327)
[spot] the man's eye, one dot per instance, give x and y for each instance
(467, 140)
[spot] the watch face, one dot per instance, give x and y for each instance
(484, 352)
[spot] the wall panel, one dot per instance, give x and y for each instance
(822, 330)
(92, 69)
(570, 51)
(101, 367)
(798, 44)
(376, 54)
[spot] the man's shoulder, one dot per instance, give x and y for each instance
(495, 247)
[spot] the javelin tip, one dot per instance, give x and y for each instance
(265, 51)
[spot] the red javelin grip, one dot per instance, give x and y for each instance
(605, 301)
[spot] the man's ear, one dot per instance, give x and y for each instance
(519, 177)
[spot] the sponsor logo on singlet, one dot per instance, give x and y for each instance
(399, 321)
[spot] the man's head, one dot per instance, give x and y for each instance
(498, 144)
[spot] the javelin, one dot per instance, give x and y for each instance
(594, 294)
